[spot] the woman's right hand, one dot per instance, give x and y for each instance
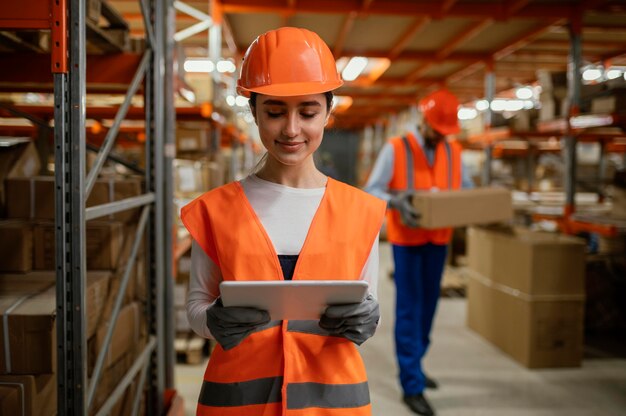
(231, 324)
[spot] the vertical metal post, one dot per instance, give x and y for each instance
(530, 167)
(168, 195)
(154, 181)
(69, 116)
(574, 87)
(602, 170)
(490, 90)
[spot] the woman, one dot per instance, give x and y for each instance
(287, 221)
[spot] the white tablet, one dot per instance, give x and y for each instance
(292, 299)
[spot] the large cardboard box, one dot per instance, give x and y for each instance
(104, 241)
(463, 207)
(536, 263)
(618, 207)
(16, 246)
(538, 331)
(28, 315)
(28, 395)
(192, 138)
(33, 198)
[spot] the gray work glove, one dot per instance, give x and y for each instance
(231, 324)
(403, 202)
(354, 321)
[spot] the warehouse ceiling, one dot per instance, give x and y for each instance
(426, 43)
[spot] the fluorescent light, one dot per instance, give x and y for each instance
(513, 105)
(225, 66)
(613, 73)
(466, 113)
(591, 74)
(524, 93)
(528, 104)
(249, 118)
(498, 104)
(230, 100)
(201, 65)
(482, 105)
(354, 68)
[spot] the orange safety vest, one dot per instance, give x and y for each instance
(289, 368)
(444, 174)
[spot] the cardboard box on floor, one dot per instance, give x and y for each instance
(28, 395)
(463, 207)
(31, 301)
(537, 331)
(536, 263)
(104, 241)
(33, 198)
(16, 246)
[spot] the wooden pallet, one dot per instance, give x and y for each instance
(189, 348)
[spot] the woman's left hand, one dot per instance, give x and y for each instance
(354, 321)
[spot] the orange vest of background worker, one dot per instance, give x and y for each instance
(286, 367)
(411, 172)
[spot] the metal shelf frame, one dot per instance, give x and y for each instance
(72, 187)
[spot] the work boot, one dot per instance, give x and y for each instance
(431, 383)
(418, 404)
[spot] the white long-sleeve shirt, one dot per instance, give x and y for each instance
(286, 214)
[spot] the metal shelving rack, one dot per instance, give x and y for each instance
(154, 365)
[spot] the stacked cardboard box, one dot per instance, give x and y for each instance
(33, 197)
(18, 158)
(16, 246)
(526, 294)
(28, 395)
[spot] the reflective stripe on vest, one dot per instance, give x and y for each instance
(411, 171)
(309, 362)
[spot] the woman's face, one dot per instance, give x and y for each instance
(291, 128)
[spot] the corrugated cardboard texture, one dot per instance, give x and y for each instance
(31, 299)
(18, 158)
(536, 333)
(463, 207)
(536, 263)
(38, 392)
(103, 245)
(16, 246)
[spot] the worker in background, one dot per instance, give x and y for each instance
(420, 161)
(286, 221)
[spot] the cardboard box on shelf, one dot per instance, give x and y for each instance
(463, 207)
(16, 246)
(192, 138)
(28, 312)
(125, 336)
(35, 395)
(537, 331)
(18, 158)
(103, 245)
(618, 205)
(33, 198)
(537, 263)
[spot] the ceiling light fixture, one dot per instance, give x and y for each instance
(199, 65)
(354, 68)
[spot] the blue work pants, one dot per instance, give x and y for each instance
(418, 271)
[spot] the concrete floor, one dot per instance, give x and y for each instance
(475, 378)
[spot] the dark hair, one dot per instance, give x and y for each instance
(328, 94)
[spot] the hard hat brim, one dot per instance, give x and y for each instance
(291, 89)
(445, 130)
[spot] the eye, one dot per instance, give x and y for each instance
(308, 114)
(274, 114)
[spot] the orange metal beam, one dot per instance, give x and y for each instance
(401, 7)
(346, 27)
(415, 27)
(513, 7)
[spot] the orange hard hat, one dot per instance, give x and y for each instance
(440, 111)
(286, 62)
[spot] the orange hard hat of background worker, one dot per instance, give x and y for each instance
(288, 62)
(440, 111)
